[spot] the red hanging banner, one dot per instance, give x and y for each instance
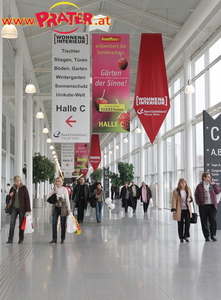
(95, 151)
(151, 99)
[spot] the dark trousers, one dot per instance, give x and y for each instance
(56, 214)
(80, 207)
(126, 204)
(15, 212)
(145, 206)
(134, 203)
(184, 225)
(112, 195)
(208, 215)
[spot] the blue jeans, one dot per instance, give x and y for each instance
(99, 206)
(56, 214)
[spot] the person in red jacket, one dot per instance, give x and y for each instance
(205, 196)
(20, 204)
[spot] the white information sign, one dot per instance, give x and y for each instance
(70, 88)
(67, 157)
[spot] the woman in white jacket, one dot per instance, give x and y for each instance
(60, 208)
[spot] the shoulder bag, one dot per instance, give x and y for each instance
(52, 199)
(193, 220)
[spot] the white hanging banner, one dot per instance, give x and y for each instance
(67, 157)
(70, 88)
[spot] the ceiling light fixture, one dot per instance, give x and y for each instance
(45, 129)
(9, 31)
(48, 140)
(116, 147)
(125, 140)
(30, 88)
(137, 129)
(40, 115)
(51, 147)
(189, 89)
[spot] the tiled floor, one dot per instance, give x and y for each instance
(133, 256)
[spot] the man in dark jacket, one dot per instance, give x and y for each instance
(135, 192)
(81, 195)
(205, 196)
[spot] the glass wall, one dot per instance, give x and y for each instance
(206, 70)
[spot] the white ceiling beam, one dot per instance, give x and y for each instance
(146, 14)
(146, 28)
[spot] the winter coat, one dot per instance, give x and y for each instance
(177, 204)
(102, 196)
(123, 195)
(137, 191)
(199, 193)
(76, 193)
(24, 200)
(149, 193)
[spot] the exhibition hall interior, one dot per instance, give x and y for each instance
(119, 253)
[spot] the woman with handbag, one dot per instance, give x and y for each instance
(19, 204)
(100, 198)
(181, 208)
(60, 208)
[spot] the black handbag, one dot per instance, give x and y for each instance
(193, 220)
(93, 201)
(8, 209)
(52, 199)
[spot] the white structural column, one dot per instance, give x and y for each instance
(1, 60)
(142, 165)
(37, 121)
(159, 200)
(18, 111)
(29, 148)
(188, 124)
(7, 171)
(42, 151)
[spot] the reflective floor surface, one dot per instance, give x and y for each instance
(126, 256)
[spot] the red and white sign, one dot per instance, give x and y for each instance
(151, 99)
(70, 88)
(95, 151)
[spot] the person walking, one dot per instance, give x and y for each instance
(81, 196)
(60, 208)
(205, 196)
(100, 198)
(7, 191)
(125, 196)
(145, 195)
(181, 208)
(135, 192)
(20, 204)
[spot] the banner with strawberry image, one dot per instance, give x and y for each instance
(80, 159)
(151, 99)
(110, 83)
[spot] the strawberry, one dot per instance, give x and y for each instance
(124, 120)
(99, 101)
(122, 63)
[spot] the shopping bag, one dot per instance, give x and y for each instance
(88, 211)
(23, 224)
(78, 230)
(71, 227)
(151, 202)
(29, 226)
